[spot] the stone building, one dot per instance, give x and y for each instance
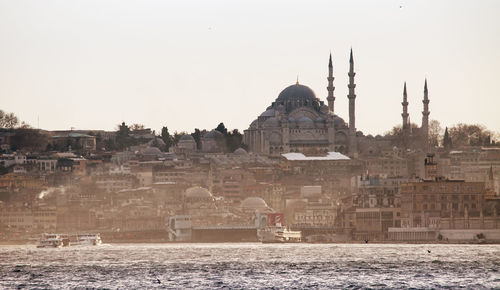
(297, 121)
(429, 203)
(377, 207)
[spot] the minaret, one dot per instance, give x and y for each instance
(405, 110)
(330, 88)
(352, 97)
(425, 117)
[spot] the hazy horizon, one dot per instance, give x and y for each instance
(94, 64)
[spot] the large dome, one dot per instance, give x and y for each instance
(296, 92)
(197, 192)
(254, 203)
(297, 96)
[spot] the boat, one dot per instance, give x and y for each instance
(87, 240)
(279, 235)
(64, 240)
(50, 241)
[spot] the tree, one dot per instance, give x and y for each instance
(165, 136)
(233, 140)
(197, 137)
(8, 120)
(135, 127)
(221, 128)
(399, 139)
(123, 138)
(435, 132)
(398, 130)
(465, 134)
(447, 143)
(25, 125)
(29, 140)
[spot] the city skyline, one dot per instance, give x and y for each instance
(90, 65)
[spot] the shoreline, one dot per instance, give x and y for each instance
(154, 241)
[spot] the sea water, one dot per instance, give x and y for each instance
(251, 265)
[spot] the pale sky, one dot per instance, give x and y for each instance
(192, 64)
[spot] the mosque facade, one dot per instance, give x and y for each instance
(298, 121)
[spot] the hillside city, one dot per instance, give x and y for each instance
(298, 165)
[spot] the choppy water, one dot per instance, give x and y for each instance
(252, 266)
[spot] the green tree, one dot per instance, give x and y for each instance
(29, 140)
(8, 120)
(166, 137)
(447, 143)
(123, 139)
(233, 140)
(465, 134)
(197, 137)
(136, 126)
(221, 128)
(435, 133)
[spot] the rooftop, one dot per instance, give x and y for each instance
(330, 156)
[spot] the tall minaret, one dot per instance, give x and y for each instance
(352, 117)
(352, 95)
(330, 88)
(425, 116)
(405, 110)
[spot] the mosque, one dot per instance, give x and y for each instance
(297, 121)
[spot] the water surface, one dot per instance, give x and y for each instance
(252, 266)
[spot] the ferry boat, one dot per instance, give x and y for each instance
(50, 241)
(279, 235)
(64, 240)
(87, 240)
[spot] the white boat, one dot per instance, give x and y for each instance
(279, 235)
(50, 241)
(63, 240)
(87, 240)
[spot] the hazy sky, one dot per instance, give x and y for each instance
(193, 64)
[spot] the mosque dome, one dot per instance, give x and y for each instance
(254, 203)
(240, 151)
(197, 192)
(296, 92)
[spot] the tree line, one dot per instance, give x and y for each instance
(456, 136)
(30, 139)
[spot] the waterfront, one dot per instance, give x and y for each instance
(251, 265)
